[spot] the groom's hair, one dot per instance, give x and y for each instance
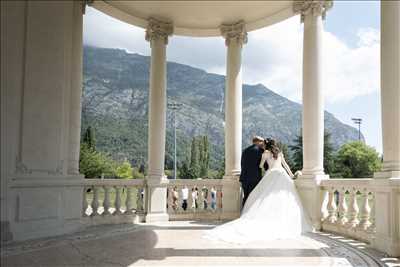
(257, 139)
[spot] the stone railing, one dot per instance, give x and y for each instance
(107, 201)
(348, 209)
(203, 203)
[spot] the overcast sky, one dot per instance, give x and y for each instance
(273, 57)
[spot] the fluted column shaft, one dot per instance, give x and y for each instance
(386, 200)
(313, 99)
(235, 36)
(157, 34)
(390, 85)
(76, 94)
(157, 109)
(312, 13)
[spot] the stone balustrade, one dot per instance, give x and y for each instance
(203, 203)
(348, 209)
(107, 201)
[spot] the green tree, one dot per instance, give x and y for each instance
(284, 148)
(357, 160)
(137, 174)
(221, 169)
(297, 154)
(204, 158)
(329, 154)
(183, 170)
(194, 159)
(89, 138)
(125, 170)
(95, 164)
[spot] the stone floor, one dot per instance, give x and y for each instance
(181, 243)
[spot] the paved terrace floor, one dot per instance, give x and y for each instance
(181, 244)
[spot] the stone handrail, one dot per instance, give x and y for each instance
(113, 200)
(205, 204)
(348, 209)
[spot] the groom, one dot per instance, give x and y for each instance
(251, 172)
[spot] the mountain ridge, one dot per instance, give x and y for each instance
(116, 92)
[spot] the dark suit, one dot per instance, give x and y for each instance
(251, 172)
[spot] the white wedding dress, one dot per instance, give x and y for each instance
(272, 211)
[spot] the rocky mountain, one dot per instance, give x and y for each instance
(115, 99)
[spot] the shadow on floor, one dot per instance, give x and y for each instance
(124, 246)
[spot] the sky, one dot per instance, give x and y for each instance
(273, 57)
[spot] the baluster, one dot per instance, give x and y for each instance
(365, 212)
(117, 200)
(128, 201)
(196, 199)
(200, 199)
(342, 207)
(206, 197)
(170, 199)
(324, 205)
(190, 200)
(95, 201)
(85, 203)
(139, 200)
(214, 202)
(219, 198)
(106, 201)
(353, 209)
(372, 228)
(179, 199)
(332, 206)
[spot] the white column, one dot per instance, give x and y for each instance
(235, 36)
(387, 188)
(40, 83)
(312, 14)
(390, 88)
(157, 34)
(75, 96)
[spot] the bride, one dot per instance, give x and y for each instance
(273, 210)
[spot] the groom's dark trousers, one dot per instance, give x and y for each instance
(251, 172)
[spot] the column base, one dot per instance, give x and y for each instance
(388, 245)
(6, 234)
(157, 180)
(156, 206)
(231, 177)
(387, 175)
(157, 217)
(387, 219)
(312, 196)
(231, 197)
(317, 177)
(45, 206)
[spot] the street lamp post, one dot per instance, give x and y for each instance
(358, 121)
(175, 107)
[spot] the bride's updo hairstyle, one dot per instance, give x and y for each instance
(270, 145)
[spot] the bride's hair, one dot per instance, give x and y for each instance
(270, 145)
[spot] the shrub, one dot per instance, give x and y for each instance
(95, 164)
(357, 160)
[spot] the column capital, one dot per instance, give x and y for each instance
(235, 31)
(157, 29)
(313, 7)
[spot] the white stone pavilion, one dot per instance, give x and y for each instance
(44, 195)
